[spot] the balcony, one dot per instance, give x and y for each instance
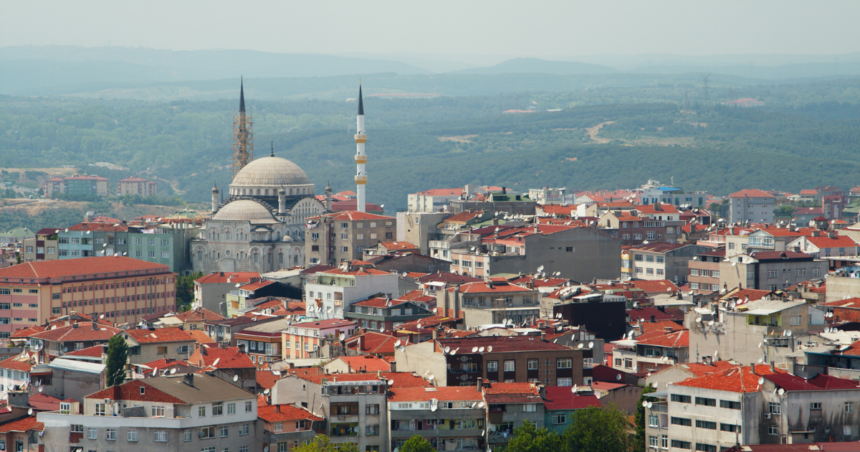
(344, 430)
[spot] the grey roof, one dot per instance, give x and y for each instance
(269, 327)
(271, 172)
(241, 94)
(77, 366)
(206, 389)
(360, 101)
(245, 210)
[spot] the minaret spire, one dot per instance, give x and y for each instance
(360, 155)
(242, 94)
(273, 150)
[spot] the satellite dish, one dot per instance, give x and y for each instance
(788, 333)
(431, 377)
(30, 411)
(480, 404)
(266, 392)
(216, 362)
(390, 382)
(397, 343)
(481, 350)
(155, 372)
(591, 345)
(454, 352)
(489, 348)
(644, 403)
(618, 377)
(474, 349)
(172, 371)
(761, 380)
(573, 389)
(40, 388)
(650, 404)
(235, 378)
(447, 349)
(781, 391)
(579, 346)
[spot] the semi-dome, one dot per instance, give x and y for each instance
(270, 172)
(245, 210)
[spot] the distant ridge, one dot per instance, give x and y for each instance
(539, 66)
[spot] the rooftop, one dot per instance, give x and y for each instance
(751, 193)
(562, 398)
(441, 393)
(160, 335)
(500, 344)
(79, 266)
(735, 379)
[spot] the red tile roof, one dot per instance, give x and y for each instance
(166, 363)
(498, 287)
(649, 209)
(659, 247)
(463, 216)
(198, 315)
(92, 352)
(675, 339)
(227, 358)
(373, 343)
(160, 335)
(25, 424)
(15, 363)
(131, 391)
(442, 192)
(398, 246)
(742, 294)
(662, 325)
(79, 332)
(840, 241)
(43, 402)
(266, 379)
(256, 285)
(700, 369)
(352, 205)
(379, 302)
(27, 332)
(359, 272)
(561, 398)
(231, 277)
(662, 285)
(735, 379)
(499, 393)
(819, 382)
(201, 337)
(808, 192)
(324, 324)
(448, 278)
(80, 266)
(442, 393)
(282, 413)
(751, 193)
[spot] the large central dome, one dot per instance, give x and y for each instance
(271, 172)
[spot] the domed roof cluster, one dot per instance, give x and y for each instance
(245, 210)
(270, 172)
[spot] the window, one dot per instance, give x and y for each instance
(637, 257)
(664, 442)
(681, 421)
(132, 436)
(715, 273)
(676, 444)
(846, 430)
(558, 419)
(186, 435)
(243, 429)
(157, 411)
(694, 285)
(706, 424)
(795, 320)
(201, 411)
(680, 398)
(226, 431)
(372, 430)
(65, 408)
(207, 432)
(730, 428)
(231, 408)
(773, 430)
(563, 363)
(101, 409)
(564, 381)
(530, 407)
(510, 365)
(653, 442)
(773, 408)
(730, 404)
(371, 409)
(705, 401)
(217, 409)
(849, 407)
(160, 436)
(110, 434)
(706, 447)
(92, 433)
(815, 406)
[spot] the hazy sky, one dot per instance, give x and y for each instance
(497, 27)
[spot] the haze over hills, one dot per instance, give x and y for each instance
(536, 65)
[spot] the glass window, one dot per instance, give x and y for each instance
(510, 365)
(492, 366)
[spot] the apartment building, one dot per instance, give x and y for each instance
(491, 302)
(663, 260)
(561, 405)
(449, 418)
(210, 291)
(163, 244)
(131, 186)
(42, 247)
(384, 313)
(770, 270)
(303, 340)
(286, 427)
(146, 345)
(263, 342)
(92, 239)
(191, 412)
(825, 245)
(752, 205)
(354, 405)
(462, 361)
(121, 289)
(76, 185)
(343, 236)
(329, 293)
(771, 239)
(437, 199)
(705, 271)
(508, 406)
(652, 351)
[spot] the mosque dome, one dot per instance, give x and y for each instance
(270, 172)
(245, 210)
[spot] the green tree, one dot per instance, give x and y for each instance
(417, 444)
(598, 430)
(321, 443)
(639, 438)
(117, 357)
(528, 438)
(185, 290)
(784, 210)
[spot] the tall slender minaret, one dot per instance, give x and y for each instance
(243, 135)
(360, 156)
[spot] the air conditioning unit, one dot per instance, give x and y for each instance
(768, 415)
(107, 400)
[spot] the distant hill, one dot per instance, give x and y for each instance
(538, 66)
(24, 69)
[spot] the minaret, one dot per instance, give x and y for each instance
(328, 197)
(243, 135)
(216, 201)
(360, 156)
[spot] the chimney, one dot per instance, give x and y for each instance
(752, 368)
(95, 326)
(773, 367)
(188, 379)
(480, 380)
(435, 335)
(543, 336)
(657, 206)
(653, 319)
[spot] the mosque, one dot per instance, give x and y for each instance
(260, 226)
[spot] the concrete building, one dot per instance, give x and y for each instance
(705, 271)
(303, 340)
(580, 254)
(383, 313)
(76, 185)
(354, 405)
(68, 379)
(652, 351)
(210, 291)
(493, 302)
(599, 313)
(145, 345)
(496, 202)
(419, 228)
(561, 405)
(754, 206)
(508, 406)
(329, 293)
(263, 342)
(343, 236)
(498, 359)
(42, 247)
(449, 418)
(825, 245)
(661, 260)
(193, 411)
(286, 426)
(120, 288)
(92, 239)
(437, 199)
(546, 195)
(163, 244)
(136, 186)
(770, 270)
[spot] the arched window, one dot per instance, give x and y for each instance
(218, 255)
(256, 258)
(227, 253)
(281, 258)
(199, 256)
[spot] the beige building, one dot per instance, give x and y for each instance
(343, 236)
(755, 206)
(42, 247)
(663, 260)
(419, 228)
(136, 186)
